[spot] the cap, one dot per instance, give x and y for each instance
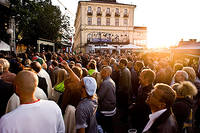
(90, 85)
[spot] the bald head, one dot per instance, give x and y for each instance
(26, 82)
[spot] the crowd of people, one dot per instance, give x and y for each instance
(98, 93)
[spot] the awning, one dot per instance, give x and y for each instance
(4, 46)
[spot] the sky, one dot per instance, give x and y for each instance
(167, 21)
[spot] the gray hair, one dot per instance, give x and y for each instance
(182, 73)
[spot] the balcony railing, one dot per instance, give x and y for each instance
(89, 13)
(125, 14)
(108, 14)
(117, 14)
(99, 13)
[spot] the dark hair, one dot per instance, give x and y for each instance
(55, 63)
(36, 66)
(92, 65)
(124, 61)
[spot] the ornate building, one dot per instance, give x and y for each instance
(140, 36)
(103, 23)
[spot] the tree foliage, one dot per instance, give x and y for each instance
(39, 19)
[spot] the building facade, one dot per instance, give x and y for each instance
(140, 36)
(101, 24)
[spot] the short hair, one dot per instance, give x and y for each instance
(139, 65)
(183, 74)
(168, 95)
(149, 75)
(186, 88)
(178, 66)
(78, 71)
(124, 61)
(108, 69)
(85, 72)
(175, 87)
(36, 66)
(5, 64)
(92, 65)
(191, 73)
(55, 63)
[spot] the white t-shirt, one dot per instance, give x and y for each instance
(41, 117)
(45, 75)
(14, 101)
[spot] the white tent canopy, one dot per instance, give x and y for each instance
(105, 47)
(130, 46)
(4, 46)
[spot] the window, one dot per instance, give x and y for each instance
(125, 22)
(125, 11)
(117, 10)
(89, 20)
(116, 22)
(89, 9)
(98, 9)
(108, 10)
(98, 21)
(107, 21)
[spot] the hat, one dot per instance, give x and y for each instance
(90, 85)
(38, 59)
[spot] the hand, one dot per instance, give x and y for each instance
(65, 64)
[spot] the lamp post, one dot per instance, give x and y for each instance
(11, 32)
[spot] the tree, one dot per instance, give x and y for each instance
(39, 20)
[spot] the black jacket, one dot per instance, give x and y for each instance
(165, 123)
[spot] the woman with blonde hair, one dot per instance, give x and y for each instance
(59, 86)
(183, 105)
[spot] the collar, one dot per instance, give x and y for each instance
(152, 118)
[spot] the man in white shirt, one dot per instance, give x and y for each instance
(160, 101)
(33, 115)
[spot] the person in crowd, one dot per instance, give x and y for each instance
(86, 110)
(14, 100)
(162, 119)
(6, 76)
(85, 72)
(98, 78)
(124, 89)
(41, 81)
(78, 71)
(196, 108)
(182, 108)
(7, 90)
(45, 115)
(106, 101)
(42, 73)
(59, 88)
(115, 75)
(140, 110)
(72, 93)
(53, 72)
(91, 68)
(180, 76)
(138, 66)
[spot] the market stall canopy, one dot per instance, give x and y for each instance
(105, 47)
(4, 46)
(188, 49)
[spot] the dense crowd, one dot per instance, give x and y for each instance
(98, 93)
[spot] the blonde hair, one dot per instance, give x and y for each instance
(62, 75)
(186, 88)
(5, 64)
(191, 73)
(168, 95)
